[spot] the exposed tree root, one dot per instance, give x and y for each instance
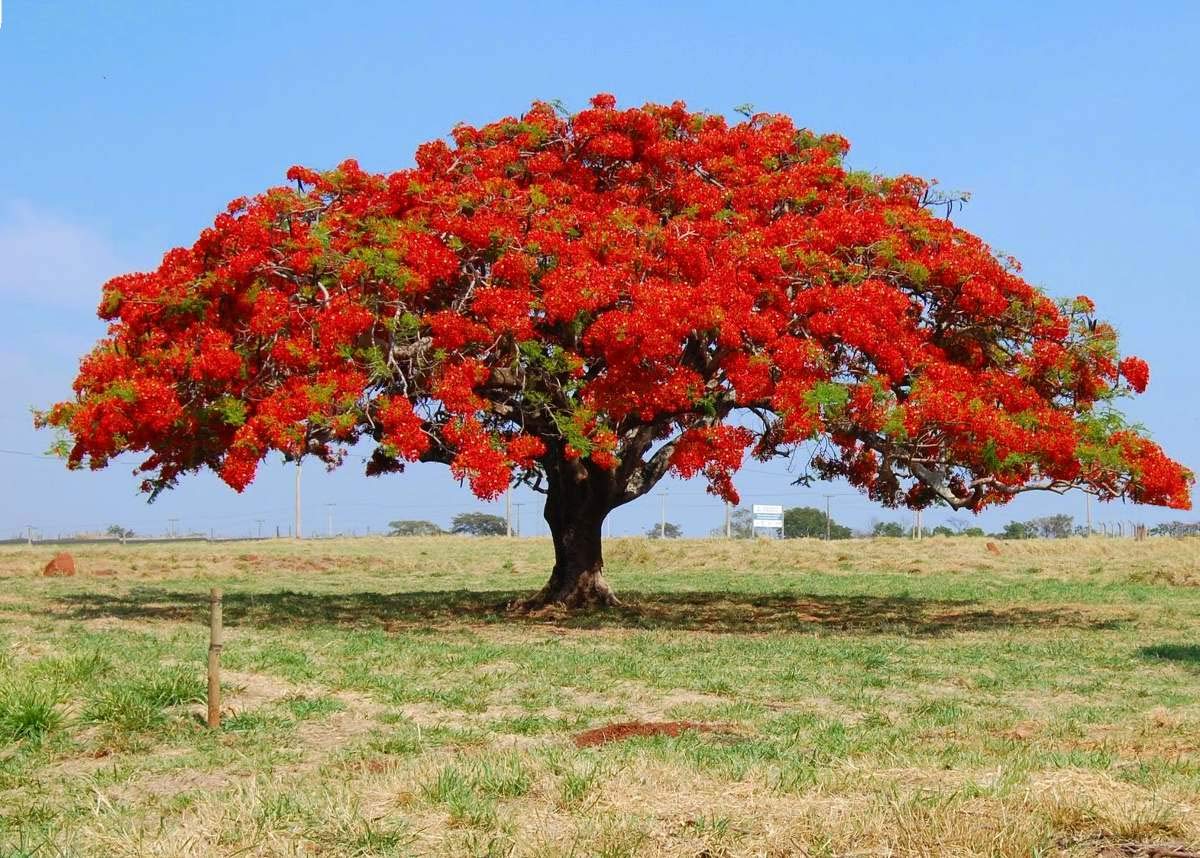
(586, 590)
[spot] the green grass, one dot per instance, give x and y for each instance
(28, 712)
(140, 703)
(861, 699)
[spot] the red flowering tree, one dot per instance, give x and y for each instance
(585, 303)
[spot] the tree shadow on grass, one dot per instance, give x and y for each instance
(729, 612)
(1188, 654)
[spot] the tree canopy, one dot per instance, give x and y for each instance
(888, 528)
(414, 527)
(807, 521)
(478, 524)
(664, 530)
(585, 302)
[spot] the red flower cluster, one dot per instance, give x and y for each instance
(1136, 371)
(402, 430)
(717, 451)
(581, 289)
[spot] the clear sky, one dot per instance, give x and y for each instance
(127, 125)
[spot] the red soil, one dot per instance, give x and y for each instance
(631, 729)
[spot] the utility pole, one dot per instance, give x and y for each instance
(329, 520)
(299, 532)
(827, 518)
(29, 533)
(508, 511)
(171, 527)
(517, 529)
(1088, 495)
(260, 524)
(728, 521)
(662, 522)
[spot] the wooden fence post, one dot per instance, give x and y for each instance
(214, 658)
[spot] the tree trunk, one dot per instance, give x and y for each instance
(577, 500)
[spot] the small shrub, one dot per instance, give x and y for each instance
(27, 713)
(576, 784)
(501, 777)
(125, 709)
(174, 688)
(453, 789)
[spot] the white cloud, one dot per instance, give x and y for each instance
(50, 261)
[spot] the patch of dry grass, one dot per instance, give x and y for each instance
(874, 697)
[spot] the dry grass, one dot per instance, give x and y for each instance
(873, 698)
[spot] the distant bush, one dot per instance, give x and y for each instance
(1048, 527)
(478, 524)
(807, 521)
(669, 530)
(413, 527)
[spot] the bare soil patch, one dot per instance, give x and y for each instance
(636, 729)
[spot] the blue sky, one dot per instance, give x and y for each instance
(127, 126)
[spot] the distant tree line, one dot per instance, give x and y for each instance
(800, 522)
(1176, 528)
(1046, 527)
(465, 523)
(806, 522)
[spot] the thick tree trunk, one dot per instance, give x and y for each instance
(577, 501)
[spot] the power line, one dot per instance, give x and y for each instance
(32, 455)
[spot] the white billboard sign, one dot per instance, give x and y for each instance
(768, 515)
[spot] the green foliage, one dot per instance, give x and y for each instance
(137, 705)
(806, 521)
(28, 711)
(231, 410)
(888, 528)
(670, 530)
(828, 397)
(414, 527)
(1017, 530)
(1176, 528)
(1048, 527)
(378, 367)
(478, 524)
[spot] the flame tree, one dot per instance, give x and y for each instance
(584, 303)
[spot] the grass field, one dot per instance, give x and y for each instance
(874, 697)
